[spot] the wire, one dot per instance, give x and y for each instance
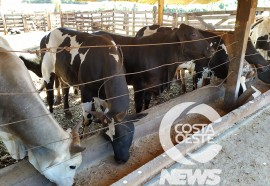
(67, 48)
(109, 77)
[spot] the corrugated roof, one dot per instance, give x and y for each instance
(179, 2)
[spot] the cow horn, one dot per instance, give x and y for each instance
(75, 146)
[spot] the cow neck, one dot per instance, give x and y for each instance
(23, 107)
(42, 129)
(116, 90)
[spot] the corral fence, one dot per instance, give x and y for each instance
(122, 22)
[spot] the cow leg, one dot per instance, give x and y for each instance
(65, 90)
(58, 96)
(183, 80)
(199, 69)
(138, 98)
(147, 99)
(198, 77)
(50, 91)
(87, 107)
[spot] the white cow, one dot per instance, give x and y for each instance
(27, 128)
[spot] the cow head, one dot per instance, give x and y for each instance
(59, 161)
(119, 132)
(194, 45)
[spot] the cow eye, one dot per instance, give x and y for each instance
(89, 116)
(72, 167)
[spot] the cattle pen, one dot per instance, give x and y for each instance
(241, 131)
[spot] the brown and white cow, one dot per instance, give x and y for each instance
(159, 61)
(28, 129)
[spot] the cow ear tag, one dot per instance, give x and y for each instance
(111, 131)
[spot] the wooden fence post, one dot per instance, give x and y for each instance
(175, 20)
(154, 15)
(49, 23)
(25, 27)
(244, 18)
(186, 19)
(133, 21)
(4, 24)
(113, 26)
(146, 19)
(61, 19)
(126, 27)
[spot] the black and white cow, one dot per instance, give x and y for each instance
(219, 61)
(35, 67)
(201, 66)
(158, 62)
(95, 64)
(28, 129)
(260, 35)
(149, 30)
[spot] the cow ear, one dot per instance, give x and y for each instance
(100, 102)
(98, 115)
(120, 116)
(76, 149)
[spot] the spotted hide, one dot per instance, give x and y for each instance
(28, 129)
(260, 35)
(95, 64)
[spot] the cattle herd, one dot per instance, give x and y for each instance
(102, 65)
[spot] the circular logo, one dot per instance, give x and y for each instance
(165, 130)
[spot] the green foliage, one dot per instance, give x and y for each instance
(221, 6)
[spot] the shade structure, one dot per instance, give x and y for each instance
(173, 2)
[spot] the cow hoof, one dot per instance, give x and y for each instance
(68, 114)
(57, 101)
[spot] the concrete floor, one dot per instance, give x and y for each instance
(244, 158)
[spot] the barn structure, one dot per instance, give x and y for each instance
(163, 169)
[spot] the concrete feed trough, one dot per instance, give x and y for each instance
(98, 166)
